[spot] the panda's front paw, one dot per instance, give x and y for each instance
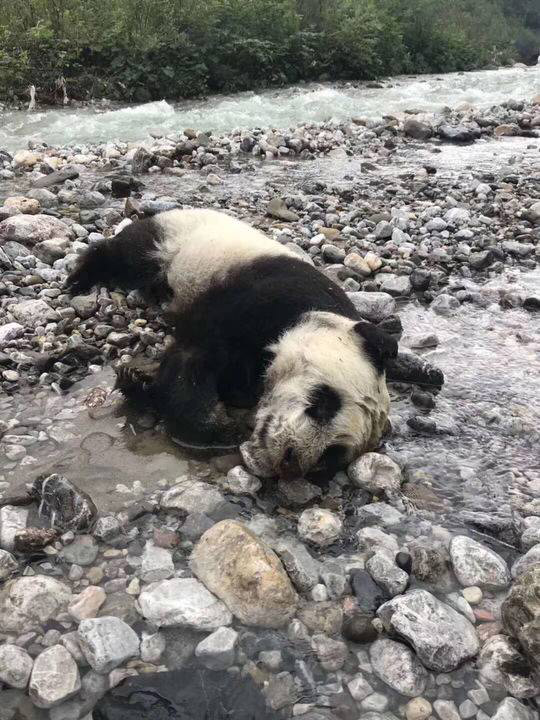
(133, 378)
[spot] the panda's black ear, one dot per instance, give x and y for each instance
(379, 346)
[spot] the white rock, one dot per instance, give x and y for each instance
(512, 709)
(331, 653)
(183, 602)
(442, 637)
(397, 666)
(319, 526)
(192, 496)
(31, 229)
(33, 312)
(12, 520)
(152, 647)
(373, 306)
(457, 216)
(376, 473)
(373, 538)
(157, 564)
(10, 331)
(15, 666)
(216, 652)
(418, 709)
(383, 569)
(107, 642)
(379, 513)
(31, 601)
(359, 688)
(446, 709)
(475, 564)
(240, 482)
(55, 678)
(529, 560)
(8, 565)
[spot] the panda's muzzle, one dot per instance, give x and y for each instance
(289, 467)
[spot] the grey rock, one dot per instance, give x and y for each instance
(379, 514)
(383, 230)
(376, 473)
(33, 312)
(359, 688)
(217, 651)
(395, 285)
(15, 666)
(8, 565)
(183, 602)
(240, 482)
(498, 655)
(417, 130)
(32, 229)
(94, 686)
(530, 560)
(152, 647)
(410, 368)
(319, 526)
(386, 573)
(512, 709)
(301, 567)
(373, 306)
(10, 331)
(281, 691)
(82, 551)
(142, 161)
(333, 576)
(521, 612)
(107, 642)
(331, 653)
(85, 305)
(52, 250)
(157, 564)
(55, 678)
(397, 666)
(68, 507)
(45, 198)
(475, 564)
(12, 520)
(457, 216)
(196, 525)
(56, 178)
(446, 709)
(278, 209)
(106, 527)
(373, 538)
(28, 602)
(442, 638)
(192, 496)
(444, 304)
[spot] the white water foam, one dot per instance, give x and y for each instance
(271, 108)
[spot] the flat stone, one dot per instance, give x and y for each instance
(278, 209)
(379, 514)
(301, 567)
(15, 666)
(33, 312)
(28, 602)
(56, 178)
(84, 305)
(192, 496)
(373, 306)
(397, 666)
(217, 651)
(319, 526)
(442, 637)
(55, 678)
(245, 574)
(82, 551)
(107, 642)
(12, 521)
(183, 602)
(240, 482)
(87, 604)
(373, 538)
(31, 229)
(157, 564)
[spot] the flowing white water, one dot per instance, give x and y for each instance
(271, 108)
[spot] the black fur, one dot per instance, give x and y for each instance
(379, 346)
(220, 355)
(325, 403)
(126, 261)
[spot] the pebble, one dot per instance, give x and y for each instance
(157, 564)
(476, 565)
(55, 678)
(473, 595)
(15, 666)
(217, 651)
(107, 642)
(87, 604)
(319, 526)
(418, 709)
(397, 666)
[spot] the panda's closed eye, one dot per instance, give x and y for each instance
(324, 404)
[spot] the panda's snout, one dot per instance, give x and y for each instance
(289, 467)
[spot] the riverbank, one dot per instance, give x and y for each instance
(433, 224)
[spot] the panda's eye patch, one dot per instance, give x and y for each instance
(324, 404)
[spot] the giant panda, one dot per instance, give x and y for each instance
(254, 326)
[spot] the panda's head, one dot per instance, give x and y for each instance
(325, 399)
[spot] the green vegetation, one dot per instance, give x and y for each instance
(152, 49)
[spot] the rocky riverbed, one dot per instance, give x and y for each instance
(139, 582)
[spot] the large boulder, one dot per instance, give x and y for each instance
(521, 613)
(502, 668)
(29, 602)
(32, 229)
(245, 574)
(442, 637)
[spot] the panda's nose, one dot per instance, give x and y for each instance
(289, 467)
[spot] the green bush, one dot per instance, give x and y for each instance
(141, 50)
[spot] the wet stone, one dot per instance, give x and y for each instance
(379, 514)
(512, 709)
(15, 666)
(217, 651)
(8, 565)
(331, 653)
(376, 473)
(397, 666)
(195, 525)
(531, 559)
(387, 574)
(496, 661)
(55, 678)
(157, 563)
(369, 595)
(68, 507)
(474, 564)
(107, 642)
(28, 602)
(319, 526)
(87, 604)
(12, 521)
(82, 551)
(443, 639)
(192, 496)
(301, 567)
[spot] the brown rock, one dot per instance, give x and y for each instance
(506, 130)
(245, 574)
(322, 617)
(34, 539)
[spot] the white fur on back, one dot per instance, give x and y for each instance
(201, 247)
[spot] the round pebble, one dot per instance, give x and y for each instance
(418, 709)
(473, 595)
